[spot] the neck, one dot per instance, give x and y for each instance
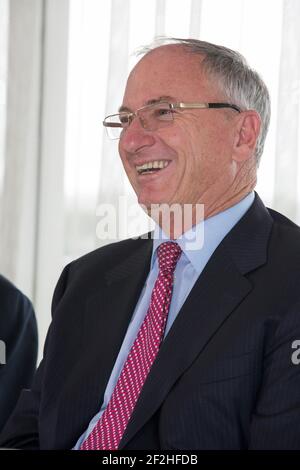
(177, 219)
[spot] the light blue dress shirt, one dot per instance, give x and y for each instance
(189, 267)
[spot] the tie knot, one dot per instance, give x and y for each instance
(168, 255)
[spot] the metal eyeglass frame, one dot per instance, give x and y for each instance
(179, 105)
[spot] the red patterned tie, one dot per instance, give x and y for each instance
(110, 428)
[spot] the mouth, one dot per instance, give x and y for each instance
(152, 167)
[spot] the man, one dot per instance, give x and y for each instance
(18, 346)
(153, 344)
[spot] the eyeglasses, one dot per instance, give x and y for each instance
(154, 116)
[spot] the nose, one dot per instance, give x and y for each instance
(135, 137)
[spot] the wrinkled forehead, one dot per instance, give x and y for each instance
(169, 70)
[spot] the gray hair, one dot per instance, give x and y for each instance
(237, 80)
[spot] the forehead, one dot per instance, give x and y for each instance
(169, 71)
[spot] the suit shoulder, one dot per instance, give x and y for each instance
(285, 237)
(282, 220)
(285, 226)
(109, 254)
(85, 273)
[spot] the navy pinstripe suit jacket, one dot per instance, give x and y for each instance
(224, 376)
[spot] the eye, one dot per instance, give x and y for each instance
(163, 113)
(124, 119)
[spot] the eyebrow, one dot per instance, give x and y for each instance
(124, 109)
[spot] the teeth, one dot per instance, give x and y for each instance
(156, 164)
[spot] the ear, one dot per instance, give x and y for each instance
(247, 132)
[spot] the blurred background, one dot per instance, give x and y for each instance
(63, 66)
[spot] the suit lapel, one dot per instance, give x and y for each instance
(219, 289)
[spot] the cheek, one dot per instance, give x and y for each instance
(209, 146)
(202, 154)
(182, 140)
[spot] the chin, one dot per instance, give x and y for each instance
(146, 205)
(149, 200)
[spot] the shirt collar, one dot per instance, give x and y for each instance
(210, 233)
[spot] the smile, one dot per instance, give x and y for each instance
(151, 167)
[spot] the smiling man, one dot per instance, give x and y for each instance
(207, 154)
(156, 346)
